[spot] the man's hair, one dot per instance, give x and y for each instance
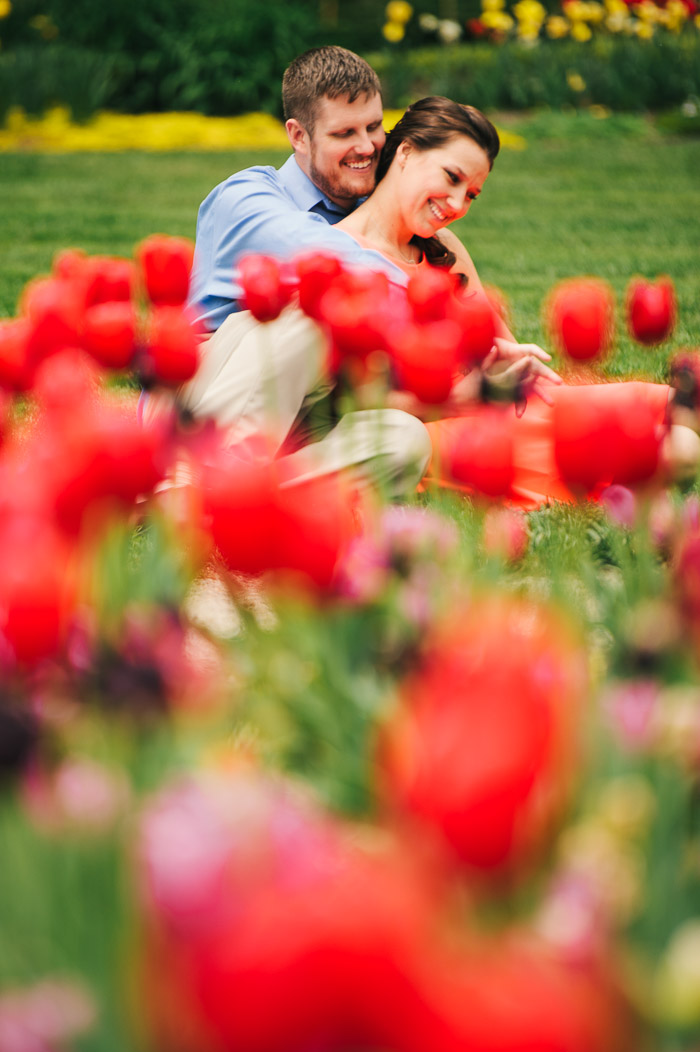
(325, 72)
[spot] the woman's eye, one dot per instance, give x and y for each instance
(454, 179)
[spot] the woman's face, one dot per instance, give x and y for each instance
(437, 186)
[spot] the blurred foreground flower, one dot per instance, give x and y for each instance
(481, 752)
(45, 1017)
(580, 316)
(651, 309)
(79, 796)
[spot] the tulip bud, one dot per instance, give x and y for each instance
(581, 317)
(265, 291)
(651, 309)
(166, 263)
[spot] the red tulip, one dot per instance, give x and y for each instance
(316, 272)
(651, 309)
(359, 316)
(479, 452)
(581, 317)
(109, 333)
(265, 289)
(239, 499)
(171, 352)
(316, 525)
(480, 751)
(165, 264)
(54, 310)
(108, 278)
(276, 907)
(603, 434)
(426, 358)
(66, 384)
(16, 368)
(298, 531)
(69, 264)
(429, 292)
(37, 592)
(475, 315)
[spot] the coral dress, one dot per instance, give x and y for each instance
(598, 433)
(595, 434)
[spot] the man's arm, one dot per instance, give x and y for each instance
(252, 213)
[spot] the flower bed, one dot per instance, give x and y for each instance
(417, 777)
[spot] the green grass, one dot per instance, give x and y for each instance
(608, 197)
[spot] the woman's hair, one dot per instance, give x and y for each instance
(427, 125)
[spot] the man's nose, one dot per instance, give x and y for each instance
(364, 144)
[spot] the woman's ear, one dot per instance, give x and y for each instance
(402, 151)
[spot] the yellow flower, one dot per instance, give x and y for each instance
(557, 27)
(528, 32)
(677, 14)
(5, 8)
(398, 11)
(497, 20)
(575, 81)
(616, 7)
(600, 113)
(647, 11)
(393, 32)
(581, 32)
(618, 22)
(575, 10)
(677, 982)
(492, 5)
(696, 20)
(644, 30)
(529, 11)
(594, 12)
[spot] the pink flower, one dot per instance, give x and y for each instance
(630, 707)
(620, 505)
(43, 1017)
(80, 796)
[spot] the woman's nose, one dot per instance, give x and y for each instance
(457, 199)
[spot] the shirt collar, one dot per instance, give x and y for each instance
(303, 191)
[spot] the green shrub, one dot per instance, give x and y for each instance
(620, 73)
(37, 78)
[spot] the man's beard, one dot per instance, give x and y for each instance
(344, 193)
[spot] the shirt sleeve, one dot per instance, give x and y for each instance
(250, 213)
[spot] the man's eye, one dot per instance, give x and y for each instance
(342, 134)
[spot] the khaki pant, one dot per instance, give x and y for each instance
(257, 378)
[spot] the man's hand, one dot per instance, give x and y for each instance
(523, 365)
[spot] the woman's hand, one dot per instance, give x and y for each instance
(521, 366)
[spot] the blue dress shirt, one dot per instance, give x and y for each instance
(275, 212)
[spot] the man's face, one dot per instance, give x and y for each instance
(341, 155)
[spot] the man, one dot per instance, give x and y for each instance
(257, 378)
(333, 108)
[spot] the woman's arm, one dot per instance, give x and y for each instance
(525, 362)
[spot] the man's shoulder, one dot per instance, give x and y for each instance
(259, 174)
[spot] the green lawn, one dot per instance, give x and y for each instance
(612, 198)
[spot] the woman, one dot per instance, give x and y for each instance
(433, 167)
